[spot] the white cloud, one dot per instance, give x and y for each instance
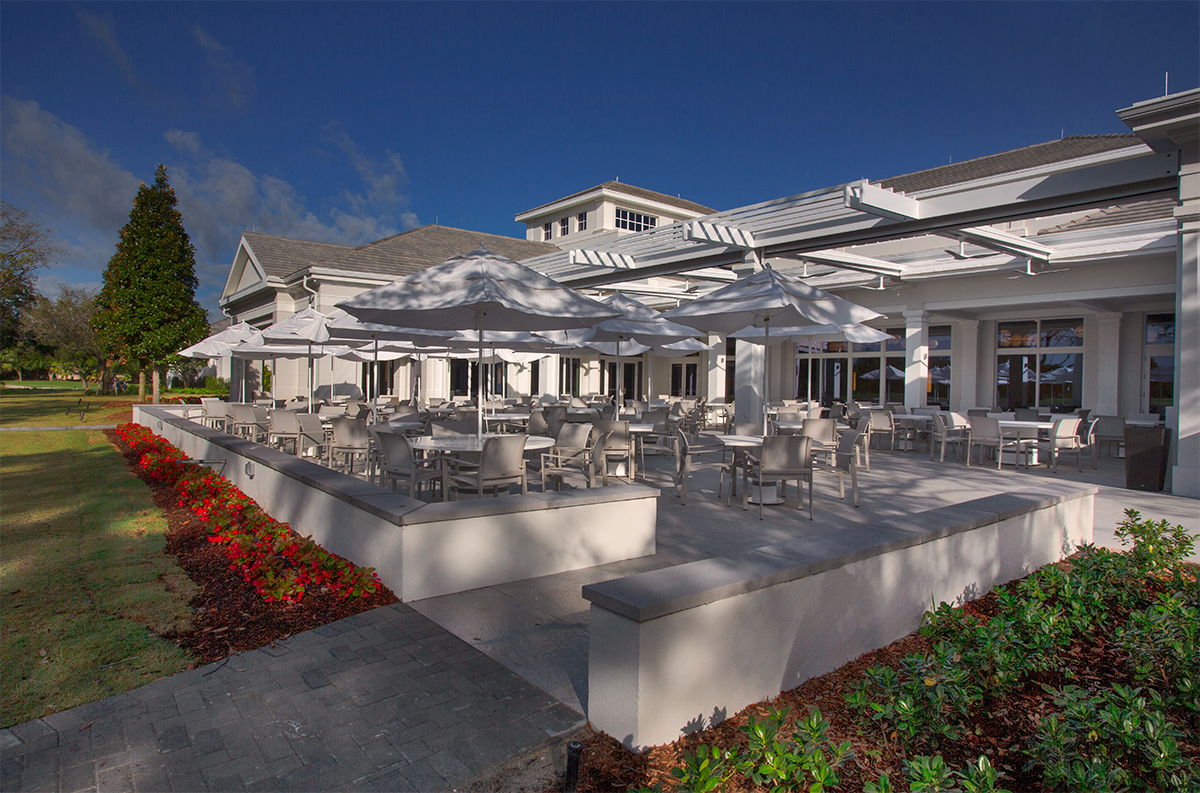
(85, 197)
(230, 81)
(102, 30)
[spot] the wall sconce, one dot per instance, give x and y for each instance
(160, 426)
(250, 469)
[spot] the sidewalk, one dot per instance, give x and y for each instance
(384, 700)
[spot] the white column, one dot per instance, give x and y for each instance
(1185, 475)
(716, 367)
(747, 381)
(916, 357)
(964, 372)
(1108, 354)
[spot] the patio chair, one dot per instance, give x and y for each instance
(331, 410)
(1108, 431)
(946, 433)
(660, 440)
(537, 424)
(284, 427)
(251, 421)
(783, 458)
(823, 433)
(396, 460)
(973, 412)
(883, 425)
(454, 427)
(501, 465)
(297, 403)
(863, 426)
(216, 412)
(350, 439)
(683, 464)
(1064, 436)
(985, 433)
(312, 436)
(845, 460)
(586, 462)
(1027, 414)
(619, 446)
(356, 410)
(571, 437)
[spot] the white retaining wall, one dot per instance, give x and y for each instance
(423, 550)
(679, 649)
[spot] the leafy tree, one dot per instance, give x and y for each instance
(24, 358)
(64, 325)
(147, 309)
(25, 247)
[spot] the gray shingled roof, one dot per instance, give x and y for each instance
(1007, 161)
(1152, 209)
(637, 192)
(395, 256)
(281, 256)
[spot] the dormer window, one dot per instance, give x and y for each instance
(547, 231)
(581, 221)
(564, 227)
(635, 221)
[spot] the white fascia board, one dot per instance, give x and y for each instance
(1026, 299)
(729, 234)
(557, 206)
(597, 258)
(1002, 241)
(343, 277)
(236, 273)
(852, 261)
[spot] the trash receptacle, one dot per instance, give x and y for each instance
(1146, 451)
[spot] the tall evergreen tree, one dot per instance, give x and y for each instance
(147, 309)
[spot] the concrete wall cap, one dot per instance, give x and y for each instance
(656, 593)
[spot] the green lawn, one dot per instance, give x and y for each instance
(62, 408)
(57, 385)
(85, 583)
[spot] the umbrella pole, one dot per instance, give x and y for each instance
(617, 400)
(766, 377)
(374, 416)
(479, 376)
(810, 371)
(310, 377)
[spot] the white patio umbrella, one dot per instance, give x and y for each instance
(765, 297)
(810, 335)
(636, 323)
(479, 289)
(219, 344)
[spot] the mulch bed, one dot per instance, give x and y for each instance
(228, 616)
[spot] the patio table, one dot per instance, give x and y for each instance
(456, 444)
(1024, 430)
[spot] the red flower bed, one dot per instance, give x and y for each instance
(278, 563)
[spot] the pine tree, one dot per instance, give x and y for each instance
(147, 310)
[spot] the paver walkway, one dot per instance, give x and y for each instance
(384, 700)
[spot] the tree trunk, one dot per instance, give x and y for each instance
(142, 387)
(154, 378)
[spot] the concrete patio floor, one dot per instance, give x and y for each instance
(539, 627)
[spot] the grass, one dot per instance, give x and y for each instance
(62, 408)
(57, 385)
(85, 583)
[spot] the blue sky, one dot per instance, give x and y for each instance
(347, 122)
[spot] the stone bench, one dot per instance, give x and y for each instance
(682, 648)
(420, 549)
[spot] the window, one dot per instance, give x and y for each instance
(1158, 363)
(460, 377)
(684, 378)
(534, 377)
(634, 221)
(568, 375)
(1026, 377)
(878, 376)
(547, 231)
(938, 387)
(564, 227)
(581, 221)
(730, 365)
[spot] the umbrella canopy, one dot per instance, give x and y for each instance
(219, 344)
(768, 297)
(464, 289)
(763, 298)
(477, 290)
(812, 334)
